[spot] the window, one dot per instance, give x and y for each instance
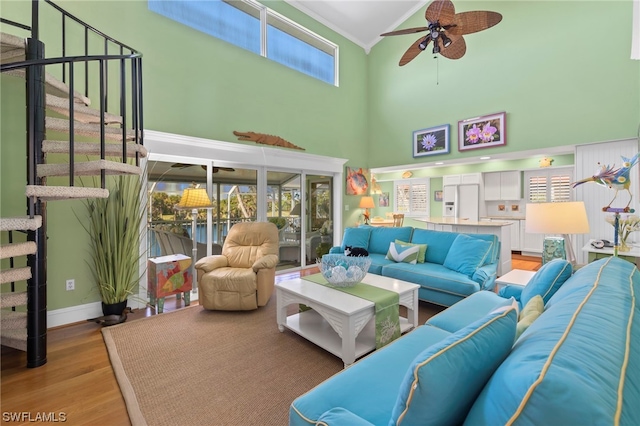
(252, 26)
(551, 185)
(411, 197)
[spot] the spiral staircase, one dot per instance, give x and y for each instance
(100, 140)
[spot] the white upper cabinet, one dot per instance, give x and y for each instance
(463, 179)
(500, 186)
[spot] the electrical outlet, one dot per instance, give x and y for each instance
(346, 207)
(71, 285)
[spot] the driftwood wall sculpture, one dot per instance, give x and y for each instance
(265, 139)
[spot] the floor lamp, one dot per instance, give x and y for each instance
(563, 218)
(194, 198)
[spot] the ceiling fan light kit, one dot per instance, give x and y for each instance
(446, 28)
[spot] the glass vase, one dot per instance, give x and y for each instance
(623, 246)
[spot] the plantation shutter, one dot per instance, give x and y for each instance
(552, 185)
(411, 197)
(560, 187)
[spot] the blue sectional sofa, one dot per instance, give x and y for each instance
(453, 266)
(578, 363)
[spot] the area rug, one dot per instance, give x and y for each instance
(198, 367)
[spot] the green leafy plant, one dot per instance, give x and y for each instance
(280, 222)
(114, 228)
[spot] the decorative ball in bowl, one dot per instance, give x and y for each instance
(344, 271)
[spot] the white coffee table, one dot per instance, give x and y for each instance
(514, 277)
(340, 322)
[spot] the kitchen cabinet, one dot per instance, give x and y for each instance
(515, 234)
(499, 186)
(463, 179)
(531, 243)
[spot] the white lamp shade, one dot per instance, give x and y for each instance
(556, 218)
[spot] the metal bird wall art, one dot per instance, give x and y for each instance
(616, 179)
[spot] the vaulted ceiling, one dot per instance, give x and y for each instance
(360, 21)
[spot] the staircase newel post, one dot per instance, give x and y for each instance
(37, 285)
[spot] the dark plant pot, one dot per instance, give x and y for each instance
(113, 308)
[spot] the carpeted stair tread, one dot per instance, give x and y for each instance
(12, 48)
(17, 298)
(81, 112)
(16, 339)
(21, 223)
(53, 86)
(52, 193)
(93, 148)
(15, 275)
(17, 249)
(88, 168)
(12, 320)
(86, 129)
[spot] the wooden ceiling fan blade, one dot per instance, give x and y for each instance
(442, 11)
(405, 31)
(412, 51)
(456, 49)
(472, 22)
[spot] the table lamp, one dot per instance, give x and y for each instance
(194, 198)
(563, 218)
(366, 203)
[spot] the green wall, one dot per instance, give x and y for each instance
(560, 81)
(196, 85)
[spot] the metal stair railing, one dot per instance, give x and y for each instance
(35, 88)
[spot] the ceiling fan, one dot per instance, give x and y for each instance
(446, 28)
(215, 169)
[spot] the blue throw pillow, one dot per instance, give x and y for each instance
(547, 280)
(467, 254)
(356, 237)
(444, 380)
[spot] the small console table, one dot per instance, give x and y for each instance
(632, 256)
(167, 275)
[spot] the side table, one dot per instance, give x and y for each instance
(514, 277)
(168, 275)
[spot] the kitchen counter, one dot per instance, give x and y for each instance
(463, 222)
(499, 228)
(504, 218)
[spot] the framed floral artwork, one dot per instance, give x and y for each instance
(431, 141)
(482, 132)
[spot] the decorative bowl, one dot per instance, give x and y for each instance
(344, 271)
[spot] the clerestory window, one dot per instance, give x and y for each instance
(254, 27)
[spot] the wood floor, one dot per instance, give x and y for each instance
(77, 381)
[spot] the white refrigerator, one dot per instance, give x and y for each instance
(468, 202)
(462, 201)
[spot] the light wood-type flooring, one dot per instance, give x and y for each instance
(77, 381)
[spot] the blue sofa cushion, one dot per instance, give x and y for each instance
(467, 254)
(438, 243)
(429, 395)
(381, 237)
(342, 416)
(423, 249)
(432, 276)
(356, 237)
(403, 253)
(577, 364)
(547, 280)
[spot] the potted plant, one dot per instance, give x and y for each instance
(114, 228)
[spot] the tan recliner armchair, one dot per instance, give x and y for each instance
(243, 276)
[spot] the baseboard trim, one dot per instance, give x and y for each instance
(80, 313)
